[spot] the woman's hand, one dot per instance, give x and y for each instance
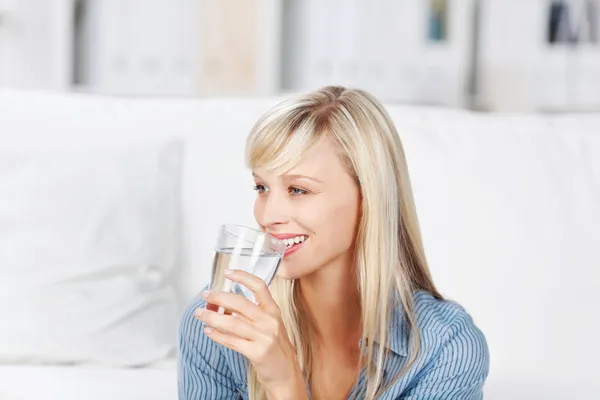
(257, 332)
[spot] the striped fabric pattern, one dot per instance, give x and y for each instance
(453, 360)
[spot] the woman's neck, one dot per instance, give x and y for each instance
(331, 297)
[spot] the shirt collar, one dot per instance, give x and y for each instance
(397, 334)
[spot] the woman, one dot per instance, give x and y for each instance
(353, 312)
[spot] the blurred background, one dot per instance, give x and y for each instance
(494, 55)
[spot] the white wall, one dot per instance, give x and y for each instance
(379, 45)
(520, 71)
(239, 47)
(141, 47)
(259, 47)
(35, 44)
(182, 47)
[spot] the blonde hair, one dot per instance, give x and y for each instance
(389, 259)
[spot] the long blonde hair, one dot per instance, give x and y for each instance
(390, 261)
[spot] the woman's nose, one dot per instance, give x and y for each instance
(273, 211)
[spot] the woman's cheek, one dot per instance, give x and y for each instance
(344, 218)
(311, 214)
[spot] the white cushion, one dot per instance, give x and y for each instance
(88, 240)
(508, 204)
(509, 207)
(217, 187)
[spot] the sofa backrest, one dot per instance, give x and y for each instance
(509, 206)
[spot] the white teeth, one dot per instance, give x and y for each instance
(291, 241)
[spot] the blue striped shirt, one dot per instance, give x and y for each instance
(453, 359)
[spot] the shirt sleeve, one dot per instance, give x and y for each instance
(203, 372)
(459, 370)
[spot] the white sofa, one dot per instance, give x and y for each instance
(509, 207)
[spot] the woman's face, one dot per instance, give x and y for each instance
(314, 207)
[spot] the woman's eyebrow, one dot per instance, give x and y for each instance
(299, 176)
(291, 176)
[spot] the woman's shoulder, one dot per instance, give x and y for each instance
(188, 322)
(452, 359)
(448, 330)
(192, 336)
(200, 355)
(439, 315)
(191, 330)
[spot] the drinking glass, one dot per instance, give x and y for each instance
(242, 248)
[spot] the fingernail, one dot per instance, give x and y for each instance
(207, 330)
(205, 294)
(228, 272)
(198, 312)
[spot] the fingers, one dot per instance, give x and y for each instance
(257, 286)
(229, 324)
(228, 340)
(239, 335)
(233, 303)
(254, 330)
(212, 307)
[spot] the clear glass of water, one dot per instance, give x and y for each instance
(242, 248)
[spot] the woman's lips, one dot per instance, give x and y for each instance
(294, 248)
(293, 241)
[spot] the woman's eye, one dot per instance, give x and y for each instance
(260, 188)
(294, 191)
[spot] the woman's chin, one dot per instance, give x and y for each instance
(286, 271)
(285, 274)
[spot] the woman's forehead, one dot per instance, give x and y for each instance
(320, 161)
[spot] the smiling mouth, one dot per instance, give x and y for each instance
(291, 242)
